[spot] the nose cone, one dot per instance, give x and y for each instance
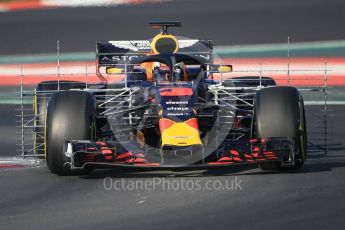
(179, 133)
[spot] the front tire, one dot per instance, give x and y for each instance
(40, 104)
(70, 116)
(279, 113)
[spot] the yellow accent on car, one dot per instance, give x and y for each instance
(180, 134)
(140, 137)
(163, 36)
(34, 107)
(225, 68)
(113, 70)
(45, 135)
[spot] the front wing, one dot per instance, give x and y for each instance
(79, 154)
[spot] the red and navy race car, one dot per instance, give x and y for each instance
(171, 107)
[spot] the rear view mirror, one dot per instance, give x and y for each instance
(225, 68)
(113, 70)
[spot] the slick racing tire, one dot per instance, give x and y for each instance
(40, 104)
(70, 116)
(279, 113)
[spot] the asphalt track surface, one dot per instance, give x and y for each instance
(313, 198)
(227, 22)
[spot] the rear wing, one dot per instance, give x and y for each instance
(122, 52)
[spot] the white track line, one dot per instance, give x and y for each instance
(20, 161)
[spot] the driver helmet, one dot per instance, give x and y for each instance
(179, 71)
(161, 72)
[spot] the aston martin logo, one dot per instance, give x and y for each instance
(132, 45)
(145, 45)
(186, 43)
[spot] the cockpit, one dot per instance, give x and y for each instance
(168, 67)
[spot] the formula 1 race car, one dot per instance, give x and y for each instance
(171, 106)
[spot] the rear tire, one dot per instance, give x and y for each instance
(70, 116)
(279, 112)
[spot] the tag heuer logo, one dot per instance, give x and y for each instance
(142, 45)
